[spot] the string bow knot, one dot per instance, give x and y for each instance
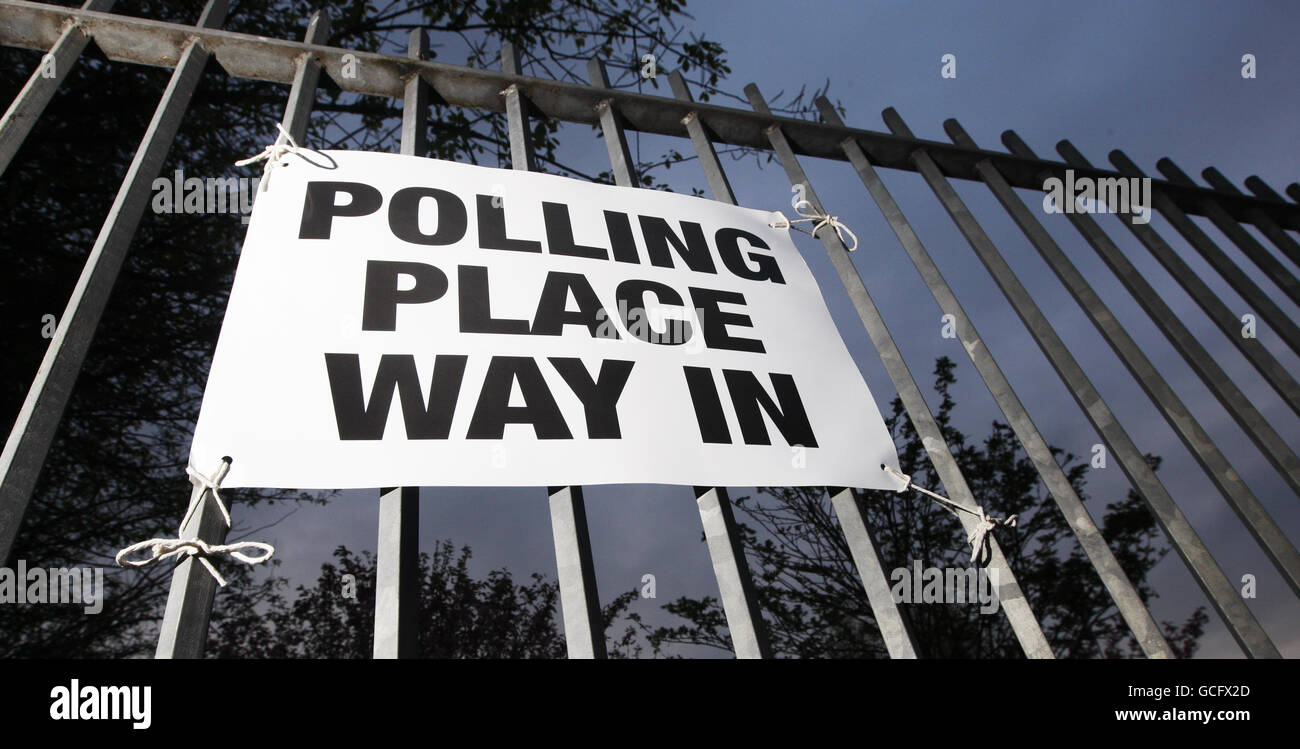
(162, 548)
(980, 553)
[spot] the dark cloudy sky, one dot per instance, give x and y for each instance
(1155, 79)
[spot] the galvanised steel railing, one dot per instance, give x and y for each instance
(185, 50)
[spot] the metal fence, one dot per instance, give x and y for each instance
(64, 32)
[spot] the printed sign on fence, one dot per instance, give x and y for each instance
(401, 321)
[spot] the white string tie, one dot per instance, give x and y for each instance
(980, 551)
(821, 219)
(162, 548)
(979, 536)
(273, 155)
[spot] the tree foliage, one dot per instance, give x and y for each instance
(459, 617)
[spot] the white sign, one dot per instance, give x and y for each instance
(401, 321)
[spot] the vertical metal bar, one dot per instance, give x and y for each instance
(184, 629)
(1262, 189)
(1036, 447)
(30, 102)
(735, 585)
(894, 627)
(1012, 599)
(397, 558)
(189, 605)
(38, 420)
(1241, 622)
(189, 602)
(302, 94)
(1228, 394)
(521, 146)
(584, 626)
(1273, 372)
(611, 125)
(749, 636)
(397, 569)
(1268, 311)
(713, 172)
(415, 103)
(1249, 246)
(1225, 478)
(1267, 226)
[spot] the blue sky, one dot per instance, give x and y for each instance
(1156, 79)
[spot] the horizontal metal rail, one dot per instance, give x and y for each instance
(156, 43)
